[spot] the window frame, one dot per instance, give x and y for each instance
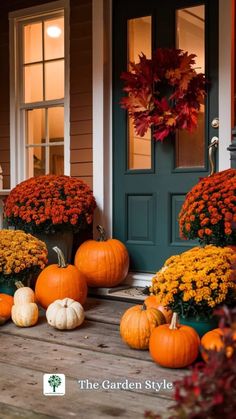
(18, 110)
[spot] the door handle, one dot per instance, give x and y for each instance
(212, 149)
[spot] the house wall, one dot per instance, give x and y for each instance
(80, 86)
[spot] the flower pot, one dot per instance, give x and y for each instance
(201, 326)
(7, 288)
(61, 239)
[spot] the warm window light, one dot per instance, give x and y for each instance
(54, 31)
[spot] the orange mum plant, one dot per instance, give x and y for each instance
(193, 283)
(21, 255)
(209, 210)
(49, 203)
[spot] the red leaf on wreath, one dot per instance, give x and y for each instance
(164, 93)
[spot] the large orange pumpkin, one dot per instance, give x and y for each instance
(174, 345)
(154, 301)
(212, 341)
(6, 303)
(57, 282)
(105, 263)
(137, 323)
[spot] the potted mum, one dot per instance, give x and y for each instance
(209, 210)
(51, 207)
(195, 282)
(22, 257)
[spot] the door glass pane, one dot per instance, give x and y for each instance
(57, 160)
(56, 124)
(33, 43)
(33, 83)
(36, 126)
(54, 38)
(139, 40)
(190, 31)
(54, 80)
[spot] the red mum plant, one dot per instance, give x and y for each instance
(164, 92)
(209, 210)
(49, 203)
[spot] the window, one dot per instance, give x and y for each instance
(39, 91)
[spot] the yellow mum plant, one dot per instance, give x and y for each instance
(195, 282)
(21, 254)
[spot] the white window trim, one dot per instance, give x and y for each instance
(102, 109)
(17, 146)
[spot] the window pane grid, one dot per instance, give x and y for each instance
(39, 69)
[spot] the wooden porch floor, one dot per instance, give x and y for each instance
(94, 352)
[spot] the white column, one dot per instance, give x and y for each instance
(102, 91)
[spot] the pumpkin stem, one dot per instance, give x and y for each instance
(102, 234)
(173, 324)
(19, 284)
(61, 258)
(144, 307)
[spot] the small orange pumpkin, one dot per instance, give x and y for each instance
(154, 301)
(212, 341)
(174, 345)
(6, 303)
(105, 262)
(137, 323)
(57, 282)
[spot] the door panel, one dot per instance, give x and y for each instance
(151, 179)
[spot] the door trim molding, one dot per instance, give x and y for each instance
(226, 22)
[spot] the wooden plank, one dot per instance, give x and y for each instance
(83, 364)
(4, 131)
(83, 155)
(22, 387)
(12, 412)
(4, 143)
(6, 182)
(100, 337)
(82, 84)
(87, 365)
(81, 13)
(81, 44)
(80, 99)
(4, 156)
(82, 113)
(80, 141)
(102, 310)
(81, 169)
(80, 30)
(88, 180)
(81, 127)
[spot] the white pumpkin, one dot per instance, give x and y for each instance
(25, 315)
(24, 295)
(65, 314)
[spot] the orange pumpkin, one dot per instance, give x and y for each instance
(212, 340)
(174, 345)
(57, 282)
(6, 303)
(154, 301)
(137, 323)
(105, 263)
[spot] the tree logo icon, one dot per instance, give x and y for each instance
(54, 384)
(54, 381)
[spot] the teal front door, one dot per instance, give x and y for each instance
(151, 179)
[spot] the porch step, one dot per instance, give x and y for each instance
(124, 293)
